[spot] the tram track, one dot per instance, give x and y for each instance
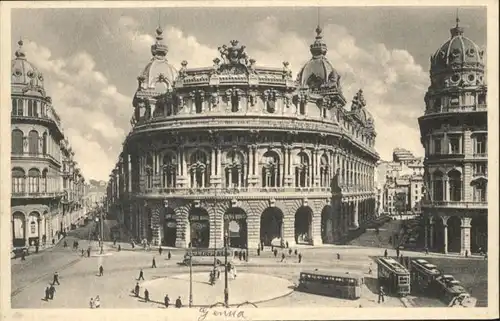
(41, 277)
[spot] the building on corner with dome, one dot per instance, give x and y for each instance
(47, 186)
(244, 152)
(454, 133)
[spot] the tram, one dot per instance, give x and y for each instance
(342, 284)
(423, 276)
(393, 276)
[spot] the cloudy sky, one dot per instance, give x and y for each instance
(91, 59)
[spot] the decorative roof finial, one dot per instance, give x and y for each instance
(159, 49)
(20, 52)
(457, 31)
(318, 48)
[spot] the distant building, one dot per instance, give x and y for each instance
(402, 175)
(47, 185)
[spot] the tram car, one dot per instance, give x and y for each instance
(341, 284)
(423, 276)
(393, 276)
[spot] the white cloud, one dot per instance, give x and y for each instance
(94, 113)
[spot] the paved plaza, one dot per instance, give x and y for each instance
(264, 280)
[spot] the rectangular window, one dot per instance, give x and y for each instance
(437, 145)
(481, 144)
(454, 145)
(31, 108)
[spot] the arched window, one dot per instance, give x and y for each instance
(199, 169)
(34, 181)
(33, 142)
(234, 169)
(17, 141)
(149, 171)
(18, 180)
(437, 186)
(480, 187)
(270, 170)
(44, 144)
(302, 171)
(169, 170)
(324, 171)
(44, 185)
(455, 181)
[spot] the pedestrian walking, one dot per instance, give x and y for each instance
(272, 247)
(166, 300)
(65, 244)
(282, 257)
(153, 266)
(52, 291)
(36, 247)
(141, 275)
(295, 252)
(397, 251)
(289, 251)
(178, 303)
(146, 295)
(218, 273)
(160, 250)
(169, 255)
(101, 271)
(88, 252)
(97, 302)
(53, 241)
(47, 293)
(466, 253)
(338, 256)
(385, 253)
(119, 248)
(23, 256)
(286, 243)
(381, 294)
(370, 269)
(239, 255)
(56, 278)
(114, 242)
(300, 257)
(83, 252)
(262, 246)
(244, 255)
(91, 303)
(136, 289)
(258, 251)
(275, 252)
(426, 251)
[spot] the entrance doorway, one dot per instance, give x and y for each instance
(271, 225)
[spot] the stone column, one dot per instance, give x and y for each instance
(219, 161)
(445, 234)
(315, 230)
(426, 236)
(465, 236)
(431, 240)
(356, 214)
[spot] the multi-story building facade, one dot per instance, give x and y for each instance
(454, 133)
(402, 175)
(47, 185)
(245, 152)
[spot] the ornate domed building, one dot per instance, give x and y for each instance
(245, 152)
(41, 160)
(454, 134)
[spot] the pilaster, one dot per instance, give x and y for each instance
(465, 236)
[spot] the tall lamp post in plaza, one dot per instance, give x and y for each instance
(215, 228)
(190, 276)
(226, 290)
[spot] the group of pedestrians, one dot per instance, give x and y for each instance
(50, 290)
(274, 250)
(147, 298)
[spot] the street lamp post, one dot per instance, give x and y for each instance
(190, 276)
(226, 291)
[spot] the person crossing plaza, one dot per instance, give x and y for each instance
(146, 295)
(160, 250)
(300, 257)
(97, 302)
(381, 294)
(282, 256)
(56, 278)
(47, 293)
(101, 270)
(178, 303)
(141, 275)
(136, 289)
(52, 291)
(91, 303)
(169, 255)
(166, 300)
(153, 265)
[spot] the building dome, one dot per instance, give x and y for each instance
(24, 74)
(158, 75)
(458, 50)
(318, 72)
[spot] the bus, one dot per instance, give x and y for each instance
(423, 275)
(340, 284)
(393, 276)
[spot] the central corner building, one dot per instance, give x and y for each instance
(244, 151)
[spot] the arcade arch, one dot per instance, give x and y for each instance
(19, 229)
(327, 224)
(169, 227)
(199, 223)
(271, 225)
(479, 234)
(235, 225)
(454, 234)
(303, 225)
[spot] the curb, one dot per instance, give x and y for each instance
(406, 302)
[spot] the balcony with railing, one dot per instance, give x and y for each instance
(455, 204)
(24, 194)
(456, 109)
(27, 155)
